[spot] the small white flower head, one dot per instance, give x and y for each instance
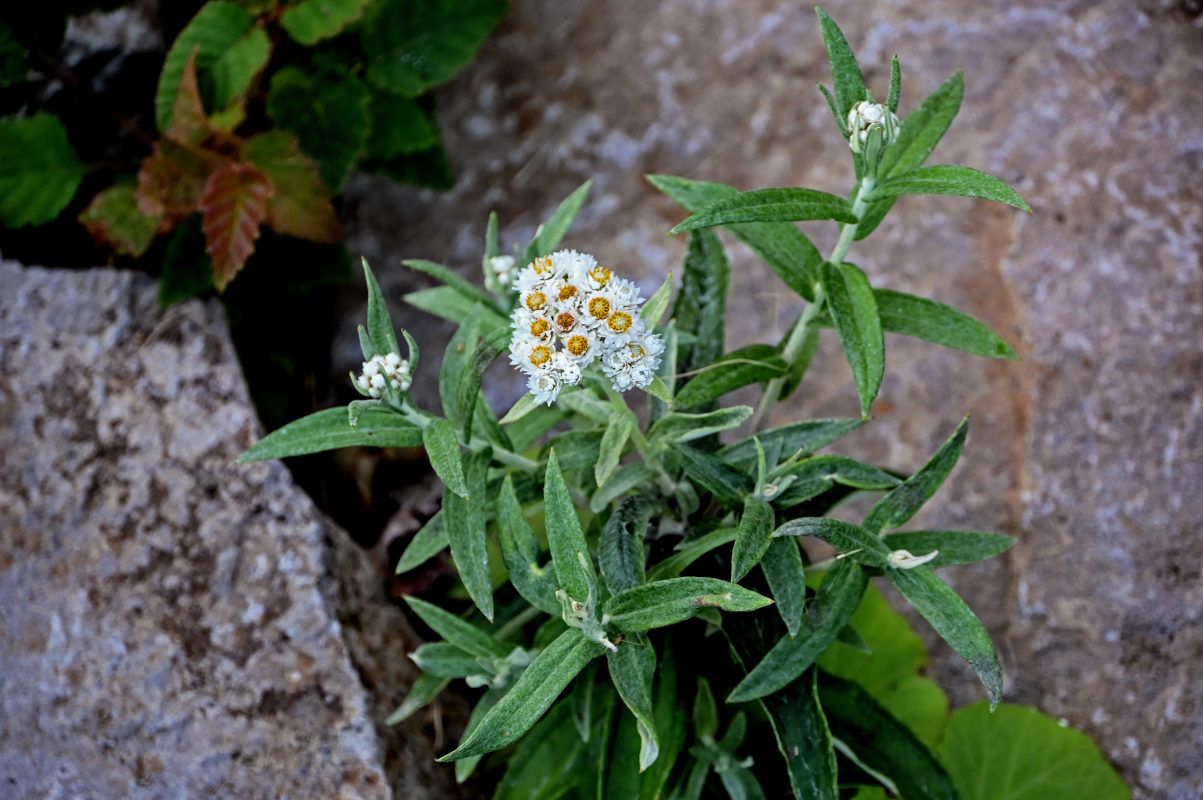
(634, 363)
(625, 292)
(503, 268)
(903, 559)
(544, 386)
(380, 372)
(597, 307)
(863, 117)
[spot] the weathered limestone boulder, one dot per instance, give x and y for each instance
(1089, 449)
(173, 624)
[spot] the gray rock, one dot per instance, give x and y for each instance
(172, 624)
(1088, 450)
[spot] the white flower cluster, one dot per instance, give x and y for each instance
(383, 372)
(863, 116)
(571, 312)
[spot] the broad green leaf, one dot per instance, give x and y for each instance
(753, 536)
(624, 479)
(310, 21)
(380, 325)
(846, 77)
(457, 631)
(328, 429)
(853, 307)
(653, 310)
(412, 45)
(39, 170)
(530, 696)
(953, 620)
(466, 766)
(470, 291)
(752, 364)
(552, 232)
(901, 504)
(803, 738)
(113, 218)
(923, 128)
(678, 427)
(935, 322)
(782, 567)
(613, 444)
(442, 448)
(770, 205)
(1017, 753)
(217, 27)
(328, 111)
(811, 477)
(427, 167)
(236, 68)
(956, 547)
(632, 668)
(836, 600)
(655, 605)
(882, 743)
(853, 541)
(301, 205)
(690, 551)
(464, 519)
(564, 535)
(400, 126)
(520, 551)
(949, 179)
(701, 305)
(421, 694)
(14, 58)
(783, 247)
(620, 549)
(445, 302)
(425, 544)
(789, 440)
(727, 483)
(445, 660)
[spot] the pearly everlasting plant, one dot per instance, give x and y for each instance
(644, 621)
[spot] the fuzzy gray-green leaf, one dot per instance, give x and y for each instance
(853, 307)
(956, 547)
(632, 668)
(423, 692)
(752, 364)
(328, 429)
(457, 631)
(701, 305)
(425, 544)
(727, 483)
(753, 536)
(782, 567)
(520, 552)
(849, 538)
(613, 443)
(690, 551)
(655, 605)
(446, 302)
(846, 76)
(620, 549)
(469, 290)
(935, 322)
(442, 447)
(770, 205)
(923, 128)
(788, 440)
(380, 324)
(901, 503)
(949, 179)
(464, 518)
(678, 427)
(564, 535)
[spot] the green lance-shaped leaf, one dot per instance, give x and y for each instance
(613, 444)
(464, 518)
(771, 205)
(442, 448)
(782, 567)
(216, 28)
(935, 322)
(810, 477)
(804, 738)
(833, 605)
(548, 763)
(445, 660)
(624, 479)
(632, 667)
(328, 111)
(855, 542)
(575, 449)
(901, 504)
(846, 76)
(310, 21)
(705, 713)
(620, 549)
(653, 310)
(955, 547)
(949, 179)
(1017, 753)
(656, 605)
(690, 551)
(853, 307)
(783, 247)
(520, 551)
(953, 620)
(727, 483)
(895, 85)
(466, 766)
(564, 535)
(752, 364)
(421, 694)
(328, 430)
(381, 333)
(457, 631)
(701, 306)
(923, 128)
(469, 290)
(882, 743)
(425, 545)
(458, 359)
(552, 232)
(236, 68)
(741, 784)
(39, 170)
(672, 727)
(678, 427)
(445, 302)
(412, 45)
(789, 440)
(753, 536)
(530, 696)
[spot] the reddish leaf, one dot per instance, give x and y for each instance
(233, 206)
(172, 179)
(301, 205)
(113, 218)
(189, 125)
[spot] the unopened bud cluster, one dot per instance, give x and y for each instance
(864, 117)
(571, 312)
(503, 268)
(382, 373)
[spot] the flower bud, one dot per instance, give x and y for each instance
(866, 116)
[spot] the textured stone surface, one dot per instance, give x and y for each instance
(171, 624)
(1088, 450)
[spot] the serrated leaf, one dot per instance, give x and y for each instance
(428, 542)
(901, 504)
(752, 364)
(727, 483)
(1017, 753)
(520, 551)
(677, 427)
(400, 126)
(301, 205)
(412, 45)
(236, 68)
(923, 128)
(530, 696)
(701, 306)
(328, 430)
(846, 76)
(667, 602)
(39, 170)
(953, 620)
(632, 668)
(935, 322)
(770, 205)
(752, 537)
(310, 21)
(328, 111)
(233, 206)
(836, 600)
(849, 538)
(113, 219)
(620, 548)
(423, 692)
(217, 27)
(552, 232)
(464, 519)
(949, 179)
(458, 632)
(789, 440)
(956, 547)
(783, 247)
(783, 570)
(442, 447)
(564, 535)
(853, 308)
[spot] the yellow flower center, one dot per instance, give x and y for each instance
(536, 300)
(542, 265)
(540, 355)
(567, 291)
(577, 345)
(601, 275)
(565, 321)
(620, 322)
(599, 307)
(635, 352)
(539, 327)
